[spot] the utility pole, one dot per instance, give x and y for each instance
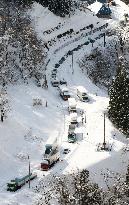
(104, 40)
(85, 117)
(29, 170)
(72, 63)
(104, 142)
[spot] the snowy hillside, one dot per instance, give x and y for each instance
(25, 132)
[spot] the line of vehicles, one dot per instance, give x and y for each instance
(52, 151)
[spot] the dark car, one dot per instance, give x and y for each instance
(63, 82)
(66, 151)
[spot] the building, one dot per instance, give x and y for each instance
(104, 12)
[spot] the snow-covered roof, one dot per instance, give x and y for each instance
(81, 89)
(72, 101)
(95, 7)
(63, 88)
(73, 115)
(52, 139)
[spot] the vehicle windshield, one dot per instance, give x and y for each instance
(84, 94)
(72, 136)
(11, 184)
(48, 150)
(85, 98)
(66, 93)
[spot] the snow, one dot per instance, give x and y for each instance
(95, 7)
(72, 102)
(27, 128)
(81, 89)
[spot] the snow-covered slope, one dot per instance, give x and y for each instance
(27, 127)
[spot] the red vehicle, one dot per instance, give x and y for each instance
(51, 155)
(47, 163)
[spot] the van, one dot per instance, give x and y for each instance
(82, 95)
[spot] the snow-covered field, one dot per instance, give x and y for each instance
(28, 127)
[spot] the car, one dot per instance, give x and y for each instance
(63, 82)
(57, 65)
(53, 75)
(55, 82)
(66, 151)
(54, 70)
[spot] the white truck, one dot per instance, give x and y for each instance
(64, 92)
(82, 94)
(73, 118)
(51, 154)
(71, 128)
(72, 105)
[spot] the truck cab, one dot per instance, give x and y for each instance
(72, 137)
(12, 186)
(45, 165)
(64, 93)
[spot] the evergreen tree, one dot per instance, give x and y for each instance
(119, 99)
(58, 7)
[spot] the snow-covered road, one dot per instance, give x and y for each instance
(27, 128)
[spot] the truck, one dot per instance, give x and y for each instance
(64, 92)
(51, 154)
(72, 138)
(17, 183)
(73, 118)
(72, 105)
(71, 128)
(82, 94)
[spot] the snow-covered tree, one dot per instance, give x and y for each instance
(22, 54)
(119, 99)
(101, 64)
(71, 189)
(59, 7)
(4, 104)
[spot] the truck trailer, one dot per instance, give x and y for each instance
(73, 118)
(17, 183)
(72, 105)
